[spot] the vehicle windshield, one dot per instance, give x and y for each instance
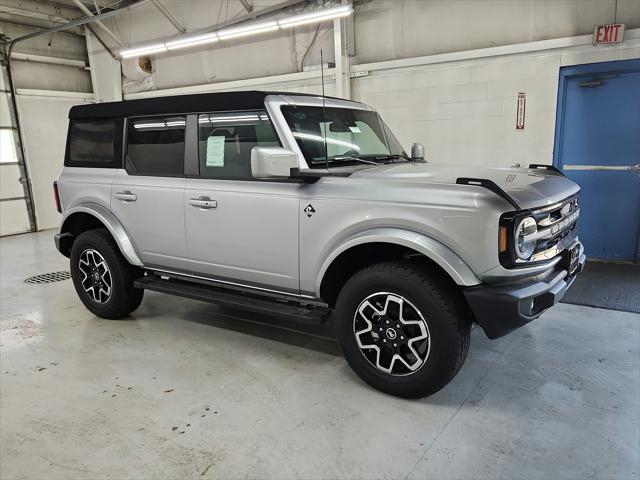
(352, 136)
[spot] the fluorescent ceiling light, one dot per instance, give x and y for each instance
(315, 17)
(136, 52)
(247, 30)
(241, 31)
(192, 41)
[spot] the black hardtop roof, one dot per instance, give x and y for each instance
(177, 104)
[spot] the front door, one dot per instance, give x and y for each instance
(147, 196)
(238, 229)
(598, 147)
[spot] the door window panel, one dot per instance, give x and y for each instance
(226, 140)
(155, 146)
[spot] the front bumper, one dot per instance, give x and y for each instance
(501, 309)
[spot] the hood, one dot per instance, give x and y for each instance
(530, 188)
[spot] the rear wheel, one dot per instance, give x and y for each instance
(102, 277)
(403, 330)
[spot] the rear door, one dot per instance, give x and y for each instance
(147, 195)
(598, 147)
(239, 229)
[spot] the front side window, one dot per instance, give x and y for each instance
(92, 143)
(327, 135)
(155, 146)
(226, 139)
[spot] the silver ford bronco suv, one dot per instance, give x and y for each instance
(309, 208)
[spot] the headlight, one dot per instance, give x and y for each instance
(525, 227)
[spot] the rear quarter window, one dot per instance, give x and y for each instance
(94, 143)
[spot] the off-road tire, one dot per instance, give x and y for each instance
(124, 298)
(442, 307)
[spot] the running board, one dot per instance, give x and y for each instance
(304, 313)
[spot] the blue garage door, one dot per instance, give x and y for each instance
(598, 147)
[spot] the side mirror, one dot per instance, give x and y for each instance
(272, 162)
(417, 152)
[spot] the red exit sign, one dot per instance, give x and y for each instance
(611, 33)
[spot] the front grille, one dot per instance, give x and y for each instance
(556, 228)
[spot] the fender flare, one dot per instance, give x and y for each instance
(114, 226)
(436, 251)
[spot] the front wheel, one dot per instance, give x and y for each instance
(403, 330)
(102, 277)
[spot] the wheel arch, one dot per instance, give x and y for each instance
(90, 216)
(386, 244)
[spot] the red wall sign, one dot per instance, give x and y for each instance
(611, 33)
(522, 98)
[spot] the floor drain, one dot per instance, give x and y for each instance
(49, 277)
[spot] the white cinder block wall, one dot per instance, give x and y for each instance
(464, 112)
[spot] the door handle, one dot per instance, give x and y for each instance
(126, 196)
(619, 168)
(204, 202)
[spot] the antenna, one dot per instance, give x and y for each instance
(324, 115)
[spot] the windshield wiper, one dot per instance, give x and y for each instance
(394, 156)
(349, 159)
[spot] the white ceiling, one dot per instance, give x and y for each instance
(49, 13)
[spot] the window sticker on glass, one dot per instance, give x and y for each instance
(215, 151)
(355, 129)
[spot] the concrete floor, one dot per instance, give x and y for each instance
(185, 390)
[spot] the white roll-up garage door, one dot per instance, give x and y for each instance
(15, 211)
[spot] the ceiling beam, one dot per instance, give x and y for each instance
(35, 23)
(167, 14)
(104, 28)
(79, 21)
(247, 5)
(27, 57)
(37, 10)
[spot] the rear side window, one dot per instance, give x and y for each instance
(226, 140)
(155, 146)
(94, 143)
